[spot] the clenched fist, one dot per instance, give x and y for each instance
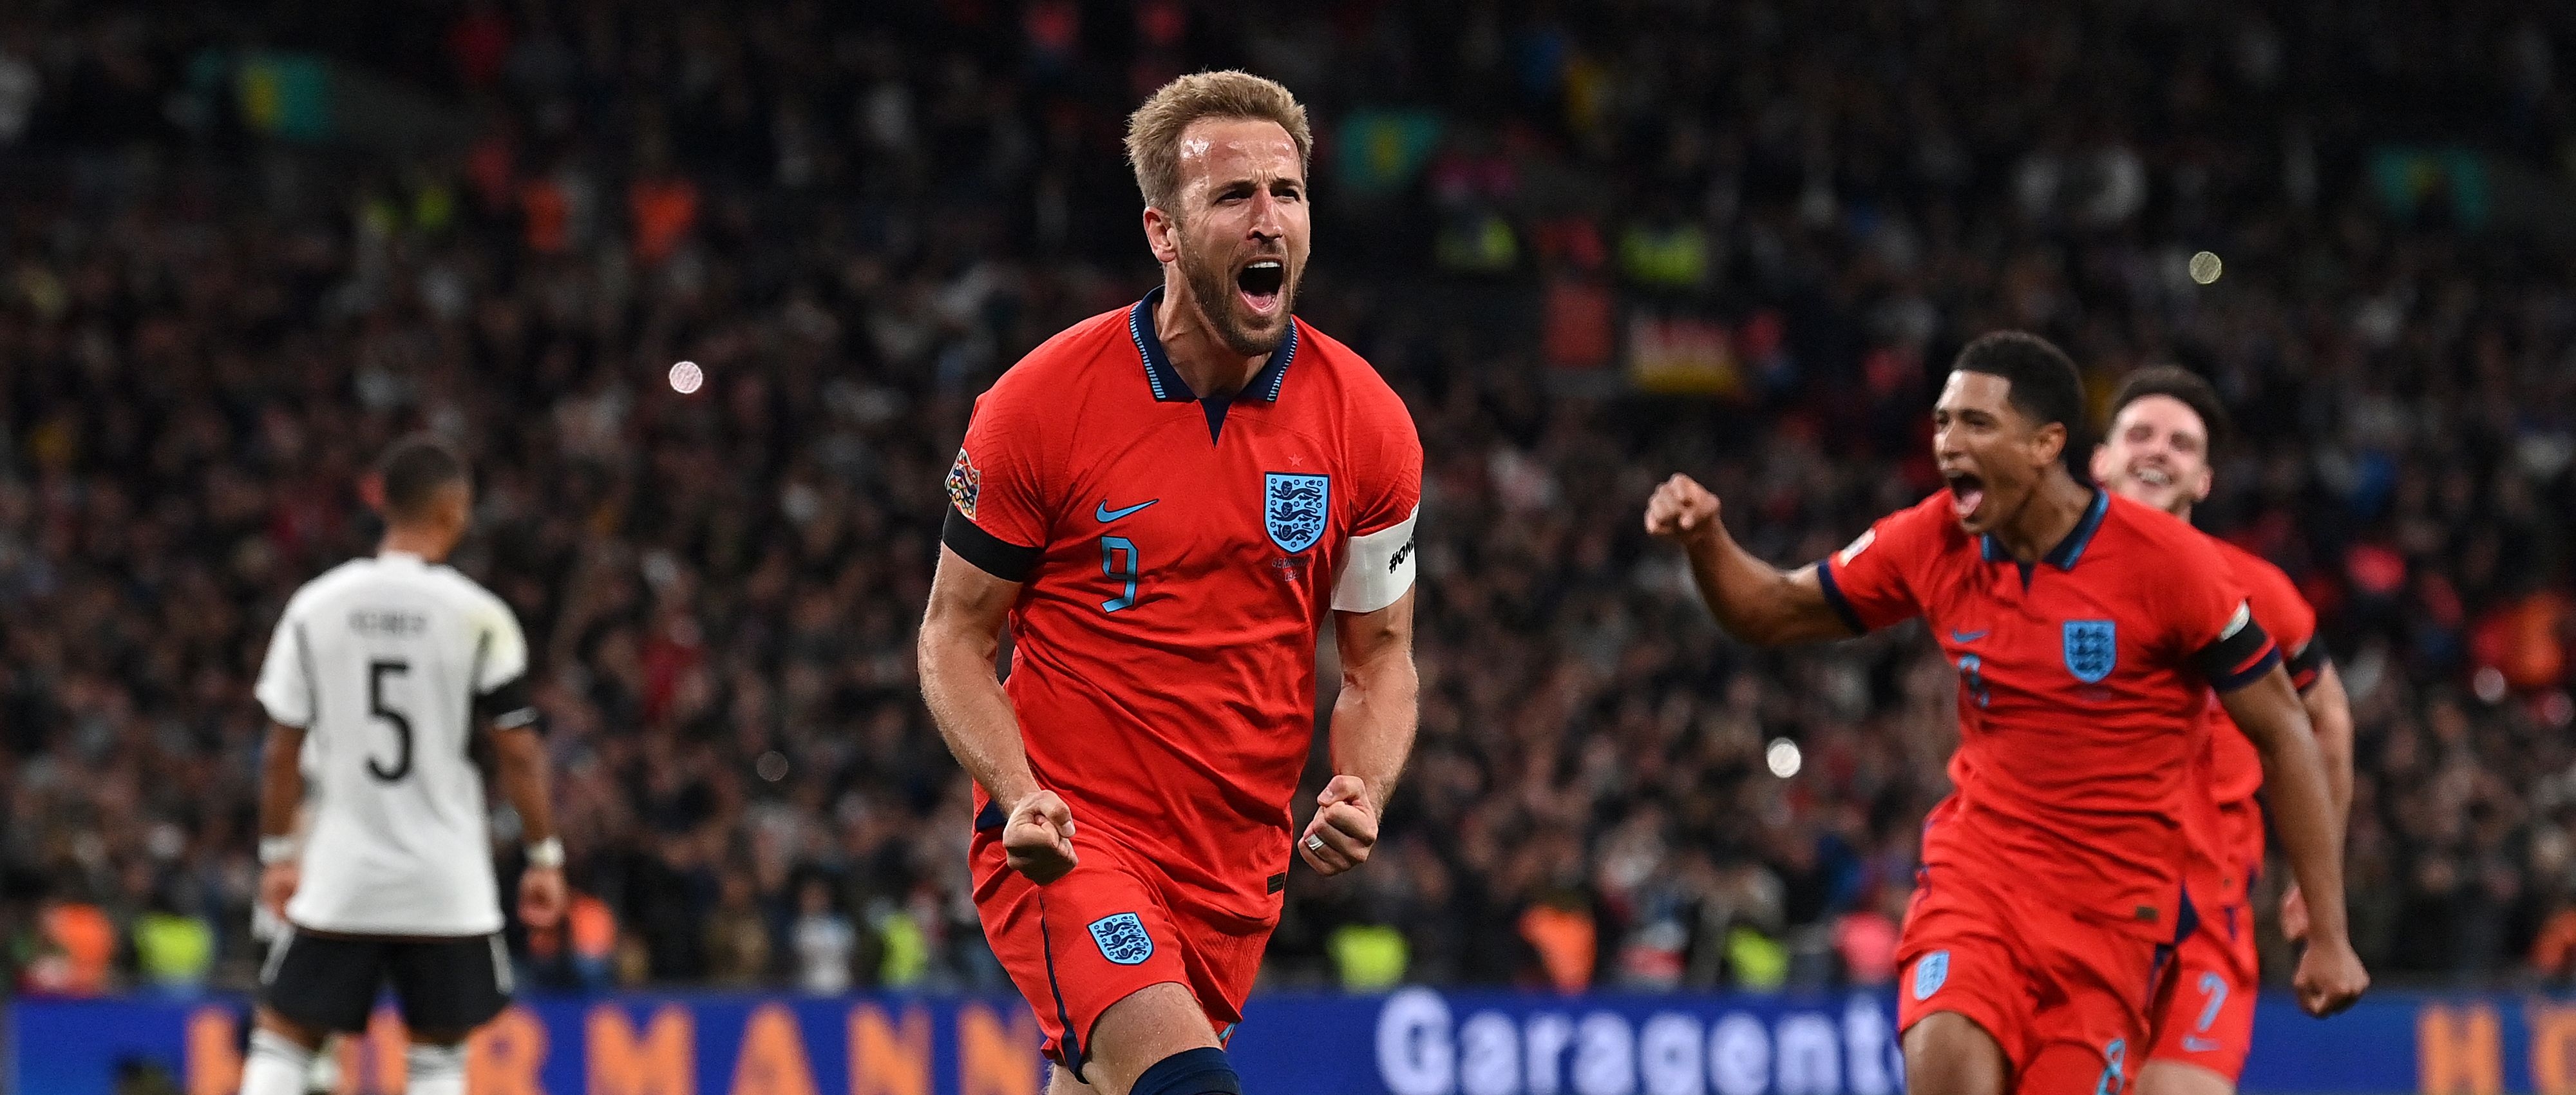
(1344, 828)
(1682, 509)
(1038, 839)
(2330, 978)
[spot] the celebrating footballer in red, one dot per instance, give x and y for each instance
(2165, 424)
(1166, 503)
(2087, 631)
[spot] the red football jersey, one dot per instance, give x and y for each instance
(2081, 684)
(2229, 838)
(1177, 558)
(2236, 770)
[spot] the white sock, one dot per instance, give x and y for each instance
(434, 1070)
(276, 1065)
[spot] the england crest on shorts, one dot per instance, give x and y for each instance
(1930, 974)
(2092, 648)
(1293, 508)
(1122, 939)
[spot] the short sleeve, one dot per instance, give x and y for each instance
(2289, 619)
(1378, 563)
(997, 518)
(503, 649)
(2208, 615)
(285, 686)
(1870, 582)
(502, 697)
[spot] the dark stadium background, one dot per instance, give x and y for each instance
(243, 245)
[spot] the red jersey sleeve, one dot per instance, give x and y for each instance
(1386, 497)
(998, 513)
(2288, 617)
(1387, 469)
(2206, 616)
(1871, 583)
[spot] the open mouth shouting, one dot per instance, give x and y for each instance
(1967, 493)
(1261, 283)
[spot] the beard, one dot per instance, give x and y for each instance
(1218, 303)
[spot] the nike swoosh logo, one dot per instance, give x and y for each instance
(1105, 513)
(1958, 636)
(2198, 1045)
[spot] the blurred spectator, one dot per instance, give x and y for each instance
(852, 217)
(738, 950)
(826, 944)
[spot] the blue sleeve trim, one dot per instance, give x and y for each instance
(1834, 597)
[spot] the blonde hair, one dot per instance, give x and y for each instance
(1154, 131)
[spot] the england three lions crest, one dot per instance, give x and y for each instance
(2092, 649)
(1293, 508)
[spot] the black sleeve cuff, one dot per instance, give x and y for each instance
(2307, 664)
(1834, 597)
(991, 554)
(510, 707)
(2238, 658)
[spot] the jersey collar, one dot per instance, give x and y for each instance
(2068, 550)
(1166, 381)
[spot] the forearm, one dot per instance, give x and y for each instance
(1374, 720)
(974, 715)
(1754, 601)
(2330, 712)
(2311, 829)
(525, 776)
(281, 782)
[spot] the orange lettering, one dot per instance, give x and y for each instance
(504, 1056)
(214, 1062)
(2459, 1052)
(664, 1062)
(887, 1061)
(345, 1060)
(997, 1059)
(773, 1055)
(2553, 1047)
(386, 1039)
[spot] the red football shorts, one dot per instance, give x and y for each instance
(2206, 1017)
(1106, 929)
(2066, 996)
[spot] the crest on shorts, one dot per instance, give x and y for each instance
(2092, 648)
(1122, 939)
(1930, 974)
(1293, 508)
(964, 483)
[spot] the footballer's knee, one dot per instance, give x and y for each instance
(1140, 1033)
(1947, 1053)
(2177, 1078)
(1201, 1071)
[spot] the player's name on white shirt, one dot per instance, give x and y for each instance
(391, 665)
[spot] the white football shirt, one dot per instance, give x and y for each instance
(384, 662)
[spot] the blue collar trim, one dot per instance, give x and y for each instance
(2069, 550)
(1166, 381)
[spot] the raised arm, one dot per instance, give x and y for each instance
(960, 636)
(2330, 976)
(1372, 733)
(1754, 601)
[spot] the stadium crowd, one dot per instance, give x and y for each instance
(852, 220)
